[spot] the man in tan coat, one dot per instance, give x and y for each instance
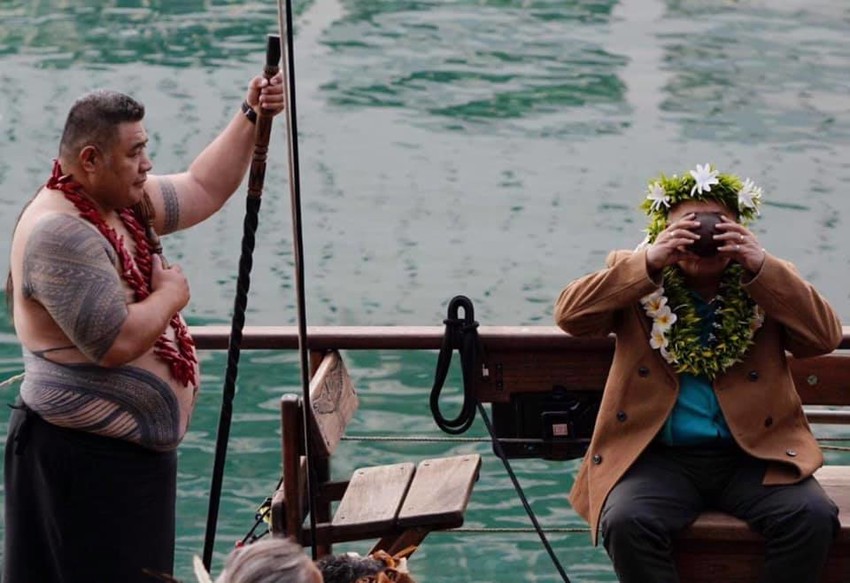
(700, 409)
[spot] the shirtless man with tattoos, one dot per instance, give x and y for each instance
(111, 371)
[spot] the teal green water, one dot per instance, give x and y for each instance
(492, 148)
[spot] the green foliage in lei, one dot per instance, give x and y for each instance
(736, 321)
(678, 189)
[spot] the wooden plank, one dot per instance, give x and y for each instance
(371, 503)
(333, 402)
(711, 525)
(828, 417)
(290, 502)
(389, 337)
(718, 547)
(540, 371)
(736, 562)
(715, 561)
(400, 338)
(440, 492)
(822, 380)
(836, 482)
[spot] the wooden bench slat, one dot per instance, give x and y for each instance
(440, 491)
(711, 525)
(836, 481)
(718, 547)
(371, 502)
(540, 370)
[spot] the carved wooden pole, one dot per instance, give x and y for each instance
(255, 189)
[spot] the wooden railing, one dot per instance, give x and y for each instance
(821, 381)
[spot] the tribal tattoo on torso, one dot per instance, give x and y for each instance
(71, 270)
(126, 403)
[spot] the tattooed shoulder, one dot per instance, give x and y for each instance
(62, 235)
(171, 204)
(70, 269)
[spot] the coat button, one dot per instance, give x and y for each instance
(597, 459)
(768, 422)
(643, 371)
(621, 416)
(753, 375)
(791, 453)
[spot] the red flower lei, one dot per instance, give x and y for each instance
(179, 354)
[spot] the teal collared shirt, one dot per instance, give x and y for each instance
(696, 418)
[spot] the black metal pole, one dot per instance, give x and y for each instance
(256, 178)
(287, 49)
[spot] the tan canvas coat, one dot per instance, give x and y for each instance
(757, 395)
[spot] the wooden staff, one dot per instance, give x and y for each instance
(255, 190)
(257, 174)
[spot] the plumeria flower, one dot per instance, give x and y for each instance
(654, 305)
(658, 338)
(664, 318)
(658, 196)
(705, 177)
(749, 195)
(659, 293)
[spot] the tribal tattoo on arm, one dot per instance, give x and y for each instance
(171, 205)
(70, 269)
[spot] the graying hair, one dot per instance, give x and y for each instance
(274, 560)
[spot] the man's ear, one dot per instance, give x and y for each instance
(89, 157)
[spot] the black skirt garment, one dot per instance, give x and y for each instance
(82, 508)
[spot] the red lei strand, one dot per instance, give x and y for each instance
(179, 354)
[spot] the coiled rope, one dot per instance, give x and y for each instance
(462, 335)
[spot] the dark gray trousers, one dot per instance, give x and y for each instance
(668, 487)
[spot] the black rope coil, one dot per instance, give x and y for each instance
(461, 335)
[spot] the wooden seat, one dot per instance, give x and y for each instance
(397, 504)
(717, 547)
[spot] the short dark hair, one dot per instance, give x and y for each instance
(348, 568)
(93, 119)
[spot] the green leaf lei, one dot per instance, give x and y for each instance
(737, 317)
